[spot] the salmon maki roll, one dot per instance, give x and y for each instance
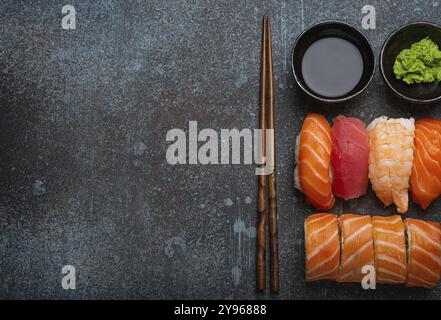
(391, 143)
(425, 180)
(424, 253)
(357, 247)
(322, 247)
(390, 249)
(313, 158)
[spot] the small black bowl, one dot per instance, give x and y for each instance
(339, 29)
(400, 39)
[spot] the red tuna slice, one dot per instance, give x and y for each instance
(350, 157)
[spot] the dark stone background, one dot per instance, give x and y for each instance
(84, 115)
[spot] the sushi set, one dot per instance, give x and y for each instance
(394, 154)
(332, 62)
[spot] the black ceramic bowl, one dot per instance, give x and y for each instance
(332, 28)
(400, 39)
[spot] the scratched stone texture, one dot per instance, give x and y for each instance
(83, 122)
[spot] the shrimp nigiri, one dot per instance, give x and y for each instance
(391, 144)
(313, 156)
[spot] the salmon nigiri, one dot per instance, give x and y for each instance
(425, 180)
(322, 247)
(391, 143)
(313, 157)
(390, 249)
(424, 253)
(357, 248)
(350, 155)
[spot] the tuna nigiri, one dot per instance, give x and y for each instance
(313, 157)
(322, 247)
(424, 253)
(390, 249)
(425, 180)
(357, 248)
(350, 155)
(391, 143)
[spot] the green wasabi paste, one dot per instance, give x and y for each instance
(419, 64)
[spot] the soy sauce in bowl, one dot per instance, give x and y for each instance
(332, 67)
(332, 61)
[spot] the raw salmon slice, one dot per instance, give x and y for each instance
(426, 171)
(313, 158)
(322, 247)
(350, 155)
(424, 253)
(390, 249)
(357, 247)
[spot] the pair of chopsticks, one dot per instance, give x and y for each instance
(266, 121)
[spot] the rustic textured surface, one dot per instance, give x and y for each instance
(83, 119)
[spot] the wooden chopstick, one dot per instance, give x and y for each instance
(267, 121)
(262, 195)
(272, 179)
